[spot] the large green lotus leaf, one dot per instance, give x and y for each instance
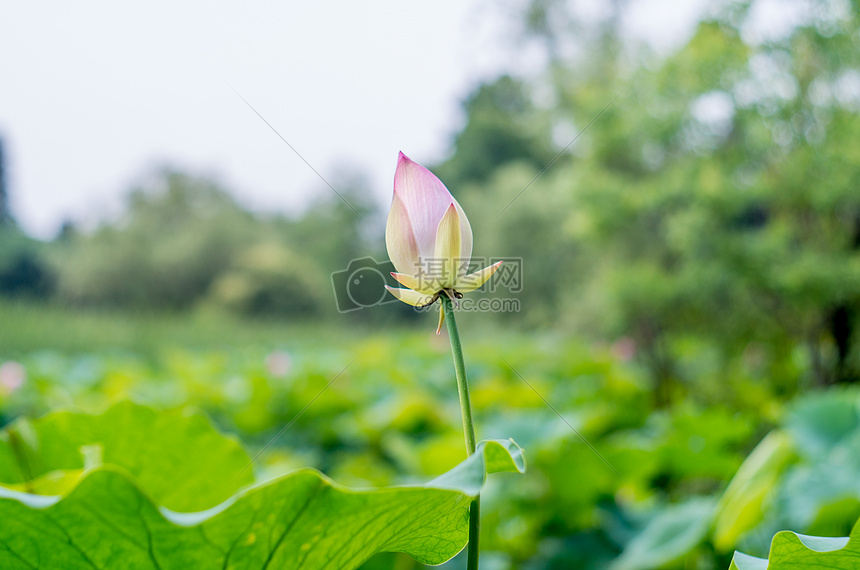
(177, 458)
(300, 520)
(792, 551)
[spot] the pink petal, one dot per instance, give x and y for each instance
(425, 199)
(400, 239)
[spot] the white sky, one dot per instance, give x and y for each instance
(95, 93)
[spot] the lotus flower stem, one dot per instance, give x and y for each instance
(468, 426)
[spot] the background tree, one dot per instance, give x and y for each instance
(5, 212)
(716, 202)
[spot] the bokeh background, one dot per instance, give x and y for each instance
(681, 181)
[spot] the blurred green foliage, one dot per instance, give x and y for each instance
(716, 199)
(24, 273)
(392, 416)
(177, 235)
(184, 241)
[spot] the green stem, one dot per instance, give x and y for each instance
(468, 426)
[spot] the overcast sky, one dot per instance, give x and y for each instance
(94, 93)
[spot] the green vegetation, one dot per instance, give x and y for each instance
(392, 417)
(32, 327)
